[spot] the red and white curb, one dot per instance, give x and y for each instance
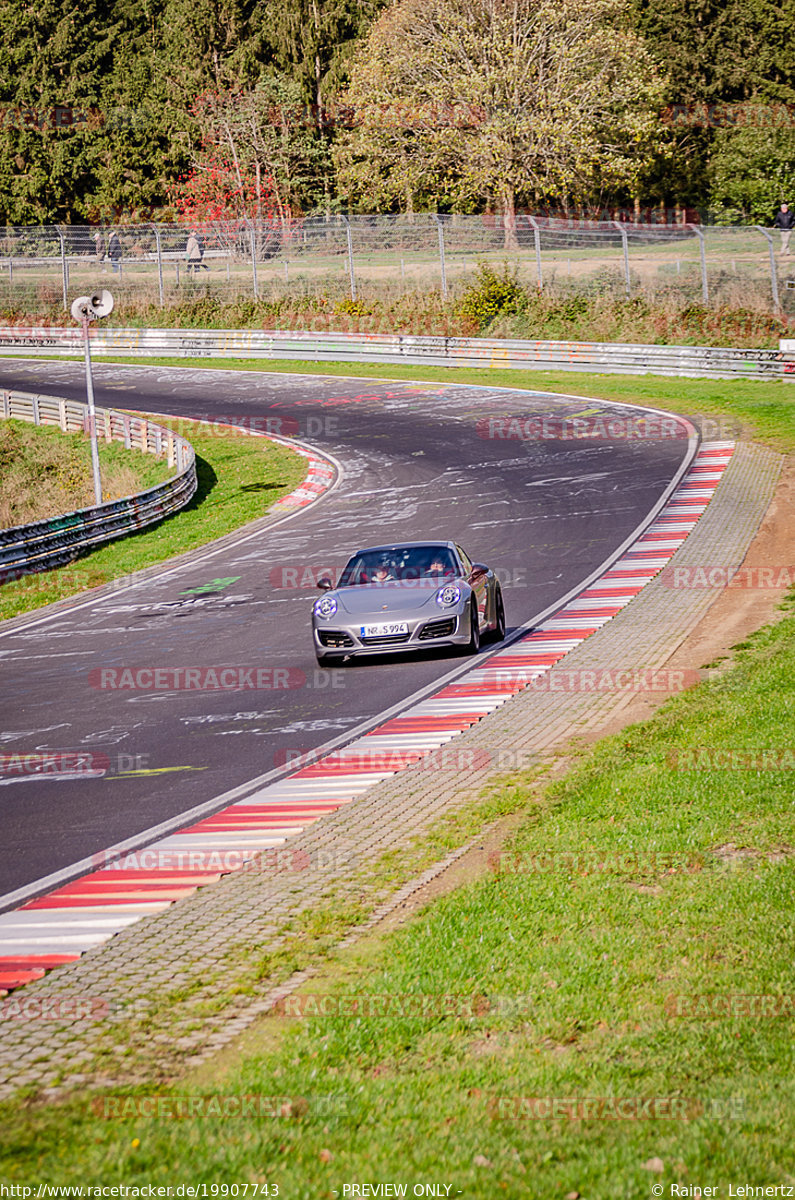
(319, 478)
(58, 927)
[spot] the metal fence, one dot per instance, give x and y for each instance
(53, 542)
(361, 257)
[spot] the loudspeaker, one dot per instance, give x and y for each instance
(100, 304)
(80, 307)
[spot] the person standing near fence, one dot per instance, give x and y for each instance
(99, 249)
(200, 240)
(114, 250)
(784, 220)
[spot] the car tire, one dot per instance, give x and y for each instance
(329, 660)
(498, 633)
(473, 645)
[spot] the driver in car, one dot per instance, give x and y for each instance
(382, 573)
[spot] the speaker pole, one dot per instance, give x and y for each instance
(86, 309)
(92, 420)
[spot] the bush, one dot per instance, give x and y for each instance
(492, 295)
(353, 308)
(571, 308)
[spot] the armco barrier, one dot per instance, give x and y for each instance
(50, 543)
(717, 362)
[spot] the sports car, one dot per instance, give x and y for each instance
(390, 599)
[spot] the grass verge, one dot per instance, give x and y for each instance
(492, 301)
(44, 472)
(609, 1008)
(240, 477)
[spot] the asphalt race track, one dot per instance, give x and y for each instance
(418, 462)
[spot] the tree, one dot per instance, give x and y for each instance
(94, 101)
(752, 169)
(456, 101)
(313, 40)
(252, 154)
(713, 52)
(85, 125)
(205, 45)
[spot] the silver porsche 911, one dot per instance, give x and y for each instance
(407, 597)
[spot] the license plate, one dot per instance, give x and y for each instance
(390, 630)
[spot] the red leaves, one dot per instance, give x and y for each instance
(212, 191)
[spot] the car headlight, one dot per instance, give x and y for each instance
(326, 606)
(448, 595)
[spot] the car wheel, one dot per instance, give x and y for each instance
(498, 633)
(473, 645)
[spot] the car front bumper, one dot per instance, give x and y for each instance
(343, 639)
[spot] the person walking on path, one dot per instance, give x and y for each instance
(784, 220)
(114, 250)
(193, 252)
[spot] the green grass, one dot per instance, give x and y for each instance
(240, 477)
(44, 472)
(587, 957)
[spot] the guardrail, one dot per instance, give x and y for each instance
(717, 362)
(53, 542)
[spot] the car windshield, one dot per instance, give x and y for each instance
(407, 564)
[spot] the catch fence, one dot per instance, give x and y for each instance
(360, 258)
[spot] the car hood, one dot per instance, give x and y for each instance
(378, 599)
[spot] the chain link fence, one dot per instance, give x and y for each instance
(362, 257)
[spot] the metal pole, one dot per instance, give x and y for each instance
(625, 244)
(773, 273)
(704, 285)
(64, 275)
(252, 237)
(440, 228)
(159, 265)
(537, 240)
(92, 421)
(350, 258)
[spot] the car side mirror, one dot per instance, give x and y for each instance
(324, 583)
(478, 569)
